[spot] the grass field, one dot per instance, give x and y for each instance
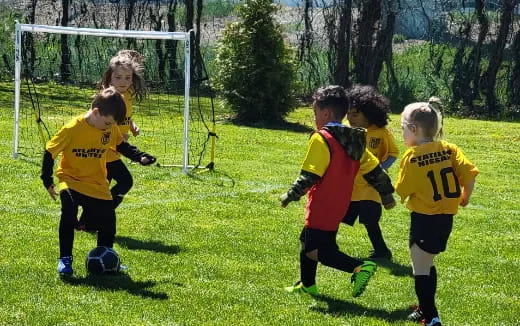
(215, 248)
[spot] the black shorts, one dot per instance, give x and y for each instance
(430, 232)
(369, 212)
(318, 239)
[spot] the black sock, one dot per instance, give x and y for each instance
(433, 289)
(307, 270)
(423, 289)
(338, 260)
(376, 237)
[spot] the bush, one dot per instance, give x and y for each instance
(255, 72)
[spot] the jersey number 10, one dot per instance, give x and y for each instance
(444, 174)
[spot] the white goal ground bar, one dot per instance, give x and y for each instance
(153, 35)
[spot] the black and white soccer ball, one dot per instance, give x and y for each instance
(102, 260)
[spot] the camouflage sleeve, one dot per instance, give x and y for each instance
(381, 182)
(353, 140)
(300, 187)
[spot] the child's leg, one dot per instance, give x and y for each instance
(102, 217)
(352, 213)
(68, 220)
(308, 268)
(369, 215)
(118, 171)
(425, 276)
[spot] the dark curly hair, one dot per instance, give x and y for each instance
(367, 100)
(333, 97)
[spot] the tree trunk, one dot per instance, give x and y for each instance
(65, 53)
(490, 76)
(341, 71)
(128, 21)
(374, 39)
(514, 84)
(28, 37)
(197, 55)
(171, 46)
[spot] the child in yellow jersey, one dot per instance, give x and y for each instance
(335, 154)
(84, 143)
(434, 178)
(125, 73)
(369, 109)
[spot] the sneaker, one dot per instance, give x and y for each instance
(299, 288)
(417, 315)
(360, 279)
(65, 265)
(374, 254)
(436, 321)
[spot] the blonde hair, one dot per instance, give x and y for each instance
(126, 61)
(427, 116)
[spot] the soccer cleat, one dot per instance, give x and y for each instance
(436, 321)
(360, 279)
(380, 254)
(65, 265)
(417, 315)
(299, 288)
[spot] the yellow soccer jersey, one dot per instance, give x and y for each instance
(83, 161)
(431, 175)
(381, 143)
(124, 127)
(317, 158)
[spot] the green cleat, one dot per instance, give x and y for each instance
(360, 279)
(299, 288)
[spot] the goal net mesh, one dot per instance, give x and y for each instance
(60, 74)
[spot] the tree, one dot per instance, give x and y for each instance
(375, 30)
(495, 61)
(65, 52)
(255, 71)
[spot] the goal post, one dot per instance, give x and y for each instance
(165, 108)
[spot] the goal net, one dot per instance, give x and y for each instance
(57, 71)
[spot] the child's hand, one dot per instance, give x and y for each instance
(52, 192)
(389, 205)
(147, 159)
(134, 128)
(125, 136)
(464, 199)
(284, 199)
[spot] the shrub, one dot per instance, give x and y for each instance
(254, 69)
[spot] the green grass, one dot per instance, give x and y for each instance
(215, 248)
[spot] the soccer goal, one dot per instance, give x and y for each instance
(57, 70)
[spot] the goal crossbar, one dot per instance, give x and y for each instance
(33, 28)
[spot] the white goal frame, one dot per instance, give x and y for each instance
(32, 28)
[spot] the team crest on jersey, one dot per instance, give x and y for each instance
(105, 138)
(374, 142)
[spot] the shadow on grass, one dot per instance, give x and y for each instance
(117, 282)
(218, 178)
(337, 307)
(395, 269)
(156, 246)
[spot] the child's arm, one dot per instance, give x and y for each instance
(467, 190)
(134, 128)
(300, 187)
(381, 182)
(377, 178)
(46, 174)
(135, 154)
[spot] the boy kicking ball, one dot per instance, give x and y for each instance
(83, 144)
(335, 154)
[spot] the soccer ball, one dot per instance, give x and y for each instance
(102, 260)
